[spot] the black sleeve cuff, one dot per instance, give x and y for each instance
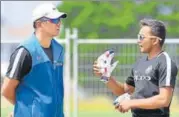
(130, 82)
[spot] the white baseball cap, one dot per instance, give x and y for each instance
(47, 10)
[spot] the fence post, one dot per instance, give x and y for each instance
(73, 36)
(75, 72)
(67, 75)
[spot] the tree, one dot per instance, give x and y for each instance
(117, 19)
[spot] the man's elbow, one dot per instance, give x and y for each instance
(165, 103)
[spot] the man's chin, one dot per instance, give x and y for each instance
(55, 35)
(143, 51)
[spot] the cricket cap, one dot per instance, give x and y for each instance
(47, 10)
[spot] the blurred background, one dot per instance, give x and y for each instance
(91, 28)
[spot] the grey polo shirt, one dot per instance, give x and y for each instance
(147, 76)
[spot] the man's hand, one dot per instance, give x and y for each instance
(104, 66)
(124, 106)
(96, 70)
(104, 61)
(11, 114)
(121, 98)
(118, 103)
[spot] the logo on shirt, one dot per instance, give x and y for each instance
(58, 63)
(139, 77)
(148, 70)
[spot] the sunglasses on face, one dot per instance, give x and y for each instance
(142, 37)
(54, 21)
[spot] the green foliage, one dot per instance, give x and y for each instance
(116, 19)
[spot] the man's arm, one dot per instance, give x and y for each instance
(8, 89)
(167, 78)
(119, 88)
(19, 65)
(163, 99)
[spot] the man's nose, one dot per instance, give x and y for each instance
(58, 24)
(138, 41)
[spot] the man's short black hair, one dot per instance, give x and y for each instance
(157, 27)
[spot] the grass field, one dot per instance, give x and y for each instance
(98, 107)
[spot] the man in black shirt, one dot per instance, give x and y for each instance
(152, 79)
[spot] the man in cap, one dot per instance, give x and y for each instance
(34, 79)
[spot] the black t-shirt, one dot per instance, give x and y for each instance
(21, 62)
(147, 76)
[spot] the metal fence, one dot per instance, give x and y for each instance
(79, 57)
(126, 52)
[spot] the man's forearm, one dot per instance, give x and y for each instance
(9, 88)
(10, 99)
(149, 103)
(116, 87)
(10, 96)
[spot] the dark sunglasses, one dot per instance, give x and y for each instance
(141, 37)
(55, 21)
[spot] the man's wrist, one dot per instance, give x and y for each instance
(131, 103)
(105, 79)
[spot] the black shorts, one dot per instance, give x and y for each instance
(147, 115)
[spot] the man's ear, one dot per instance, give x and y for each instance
(156, 41)
(38, 24)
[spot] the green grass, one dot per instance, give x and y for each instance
(100, 113)
(103, 114)
(6, 111)
(112, 114)
(97, 107)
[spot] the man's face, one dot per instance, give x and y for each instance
(146, 40)
(51, 26)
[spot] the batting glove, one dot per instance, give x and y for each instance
(104, 62)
